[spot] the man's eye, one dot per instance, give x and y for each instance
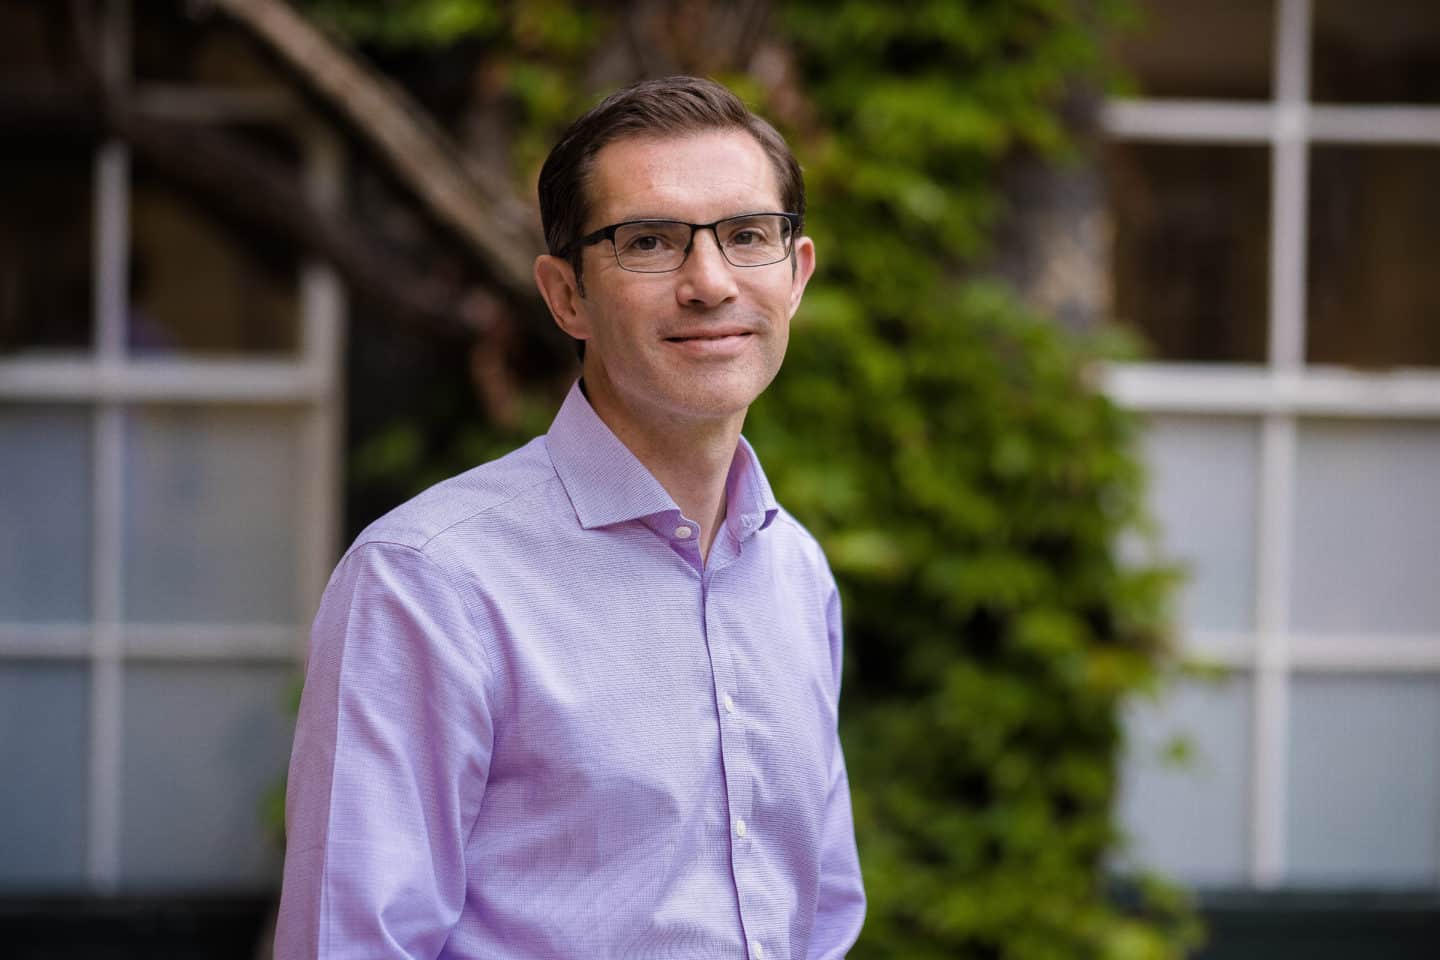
(645, 243)
(741, 238)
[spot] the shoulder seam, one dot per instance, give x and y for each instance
(554, 476)
(424, 543)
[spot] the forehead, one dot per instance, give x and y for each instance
(697, 177)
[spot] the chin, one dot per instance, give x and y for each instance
(710, 404)
(723, 395)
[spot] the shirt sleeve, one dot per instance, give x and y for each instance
(840, 912)
(392, 751)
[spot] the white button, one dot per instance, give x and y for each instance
(683, 532)
(757, 950)
(740, 827)
(729, 703)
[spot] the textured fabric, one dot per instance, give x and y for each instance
(535, 725)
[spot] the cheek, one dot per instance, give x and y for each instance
(643, 295)
(782, 339)
(614, 317)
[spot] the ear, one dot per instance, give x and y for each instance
(555, 278)
(804, 260)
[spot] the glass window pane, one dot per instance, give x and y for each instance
(1374, 233)
(1186, 810)
(210, 515)
(1367, 528)
(1191, 250)
(44, 763)
(201, 280)
(1386, 53)
(1204, 481)
(45, 514)
(1219, 49)
(46, 264)
(1364, 774)
(202, 747)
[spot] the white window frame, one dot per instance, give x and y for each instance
(107, 382)
(1279, 393)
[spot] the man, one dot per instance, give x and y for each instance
(580, 702)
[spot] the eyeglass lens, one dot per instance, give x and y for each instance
(656, 246)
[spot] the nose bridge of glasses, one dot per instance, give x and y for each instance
(714, 230)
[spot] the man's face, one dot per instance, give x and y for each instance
(701, 342)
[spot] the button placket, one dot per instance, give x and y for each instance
(732, 740)
(734, 753)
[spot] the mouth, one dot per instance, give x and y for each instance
(711, 343)
(728, 333)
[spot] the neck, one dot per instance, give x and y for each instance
(690, 458)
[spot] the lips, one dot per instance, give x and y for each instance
(711, 344)
(718, 333)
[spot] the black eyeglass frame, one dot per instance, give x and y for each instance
(608, 233)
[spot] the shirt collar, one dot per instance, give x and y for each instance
(750, 504)
(607, 484)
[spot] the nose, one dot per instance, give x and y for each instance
(706, 278)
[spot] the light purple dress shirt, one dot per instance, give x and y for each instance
(535, 725)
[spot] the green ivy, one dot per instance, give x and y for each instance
(948, 447)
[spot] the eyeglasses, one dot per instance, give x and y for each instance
(660, 246)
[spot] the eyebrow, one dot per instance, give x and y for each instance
(678, 219)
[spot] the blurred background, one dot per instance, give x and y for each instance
(264, 273)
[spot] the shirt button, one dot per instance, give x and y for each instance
(683, 532)
(740, 829)
(757, 950)
(729, 703)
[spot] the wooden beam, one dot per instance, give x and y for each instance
(485, 213)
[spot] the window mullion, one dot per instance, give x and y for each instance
(1289, 158)
(112, 257)
(323, 305)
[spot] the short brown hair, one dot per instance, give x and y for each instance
(672, 106)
